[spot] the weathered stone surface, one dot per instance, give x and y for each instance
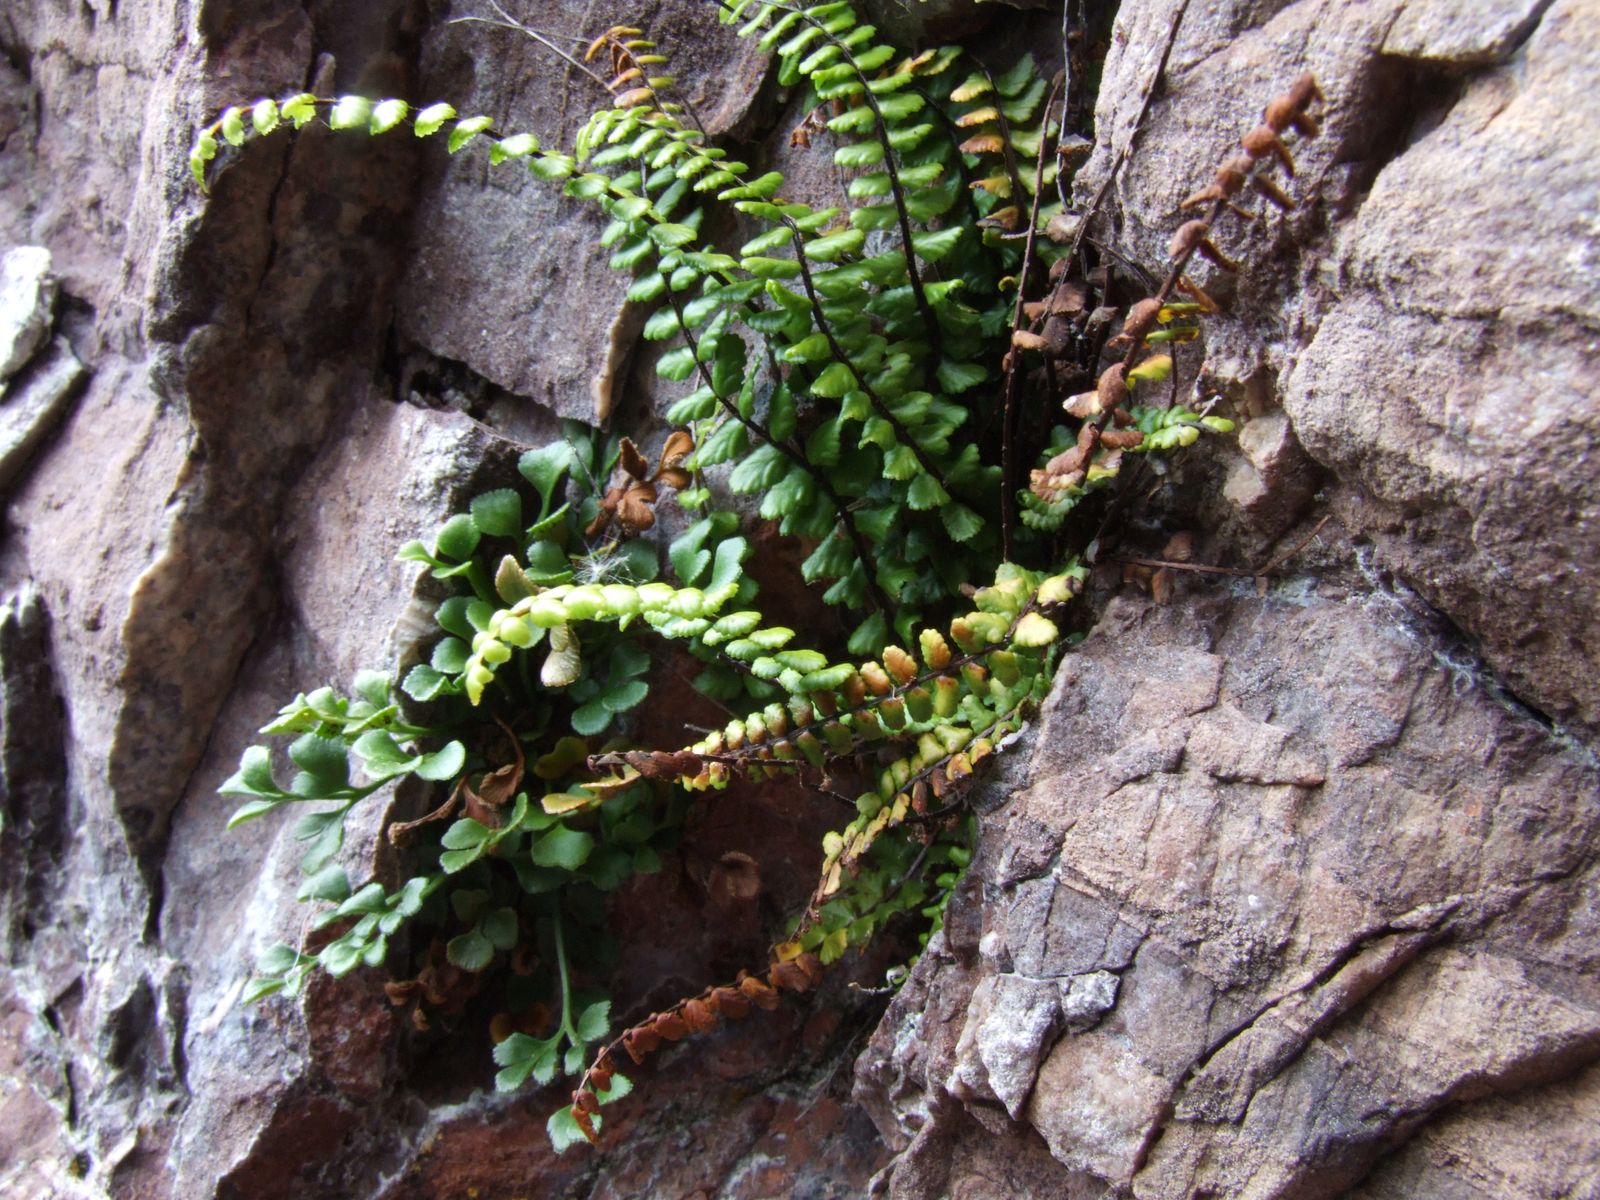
(391, 469)
(35, 1156)
(1272, 479)
(32, 762)
(1012, 1018)
(794, 1136)
(1537, 1144)
(1323, 928)
(27, 306)
(920, 22)
(1468, 447)
(505, 274)
(32, 405)
(1425, 318)
(214, 529)
(1462, 32)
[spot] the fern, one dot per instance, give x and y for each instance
(849, 366)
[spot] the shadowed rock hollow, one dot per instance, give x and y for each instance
(1290, 891)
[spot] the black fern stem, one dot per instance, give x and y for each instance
(879, 598)
(935, 334)
(660, 104)
(1133, 134)
(797, 239)
(930, 320)
(1009, 482)
(1184, 248)
(876, 594)
(960, 163)
(897, 691)
(882, 409)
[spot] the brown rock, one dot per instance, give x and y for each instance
(1463, 449)
(214, 529)
(1325, 929)
(1534, 1144)
(1421, 317)
(477, 289)
(1461, 33)
(1272, 480)
(1097, 1107)
(27, 304)
(1294, 893)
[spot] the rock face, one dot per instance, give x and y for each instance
(1426, 319)
(37, 381)
(291, 378)
(1296, 923)
(27, 306)
(552, 326)
(1291, 897)
(1332, 864)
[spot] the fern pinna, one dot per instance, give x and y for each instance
(862, 371)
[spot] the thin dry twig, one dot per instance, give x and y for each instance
(1008, 427)
(1128, 560)
(547, 40)
(1239, 572)
(1278, 560)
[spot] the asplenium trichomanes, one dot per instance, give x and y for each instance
(872, 374)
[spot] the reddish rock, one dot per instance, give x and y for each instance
(1326, 934)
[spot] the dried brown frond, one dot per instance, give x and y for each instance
(983, 143)
(1272, 192)
(1142, 317)
(1106, 431)
(1121, 439)
(790, 970)
(1113, 387)
(630, 502)
(1264, 140)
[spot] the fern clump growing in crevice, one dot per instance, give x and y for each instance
(870, 375)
